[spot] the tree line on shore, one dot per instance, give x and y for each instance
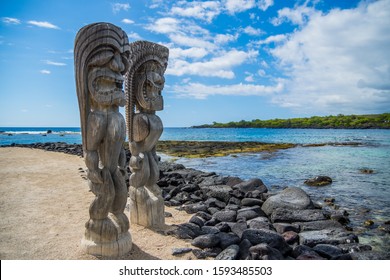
(339, 121)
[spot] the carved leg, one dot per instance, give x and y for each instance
(104, 235)
(146, 202)
(120, 200)
(146, 209)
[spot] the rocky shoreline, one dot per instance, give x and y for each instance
(236, 219)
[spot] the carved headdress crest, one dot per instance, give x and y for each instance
(94, 45)
(148, 62)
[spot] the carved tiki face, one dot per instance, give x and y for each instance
(150, 86)
(105, 76)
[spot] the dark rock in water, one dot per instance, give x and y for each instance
(271, 238)
(385, 227)
(366, 171)
(49, 131)
(354, 247)
(260, 223)
(289, 198)
(251, 202)
(328, 251)
(251, 185)
(281, 215)
(250, 213)
(230, 253)
(338, 215)
(206, 241)
(326, 236)
(329, 200)
(239, 227)
(283, 227)
(371, 255)
(319, 181)
(265, 252)
(227, 239)
(179, 251)
(186, 231)
(225, 216)
(319, 225)
(290, 237)
(245, 245)
(368, 223)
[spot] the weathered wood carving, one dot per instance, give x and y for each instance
(101, 59)
(144, 84)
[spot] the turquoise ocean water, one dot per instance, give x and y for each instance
(364, 196)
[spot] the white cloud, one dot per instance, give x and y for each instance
(340, 58)
(117, 7)
(265, 4)
(196, 53)
(44, 71)
(156, 4)
(134, 36)
(299, 15)
(189, 41)
(43, 24)
(203, 10)
(49, 62)
(252, 31)
(274, 39)
(225, 38)
(127, 21)
(237, 6)
(9, 20)
(202, 91)
(220, 66)
(164, 25)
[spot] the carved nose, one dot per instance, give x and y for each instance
(116, 63)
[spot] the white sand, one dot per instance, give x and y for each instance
(44, 205)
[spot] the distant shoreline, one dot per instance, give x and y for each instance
(377, 121)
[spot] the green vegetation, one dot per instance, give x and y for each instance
(201, 149)
(339, 121)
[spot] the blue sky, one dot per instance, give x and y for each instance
(229, 59)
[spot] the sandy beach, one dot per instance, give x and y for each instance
(44, 203)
